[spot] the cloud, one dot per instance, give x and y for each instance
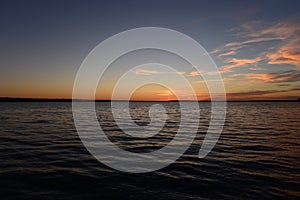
(295, 89)
(288, 51)
(228, 53)
(277, 77)
(194, 73)
(146, 72)
(153, 72)
(284, 84)
(287, 54)
(255, 40)
(256, 68)
(285, 51)
(284, 28)
(225, 50)
(254, 93)
(262, 94)
(235, 62)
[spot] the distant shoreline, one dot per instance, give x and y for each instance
(10, 99)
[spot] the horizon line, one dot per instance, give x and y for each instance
(29, 99)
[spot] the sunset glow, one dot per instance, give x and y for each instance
(258, 54)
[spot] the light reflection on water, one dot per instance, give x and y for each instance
(257, 155)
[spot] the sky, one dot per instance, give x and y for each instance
(255, 45)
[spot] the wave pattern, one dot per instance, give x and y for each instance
(257, 155)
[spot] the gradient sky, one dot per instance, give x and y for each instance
(255, 44)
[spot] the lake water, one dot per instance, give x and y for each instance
(257, 155)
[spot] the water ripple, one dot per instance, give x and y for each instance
(257, 155)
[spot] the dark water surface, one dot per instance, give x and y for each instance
(257, 155)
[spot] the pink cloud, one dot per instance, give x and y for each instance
(153, 72)
(287, 54)
(194, 73)
(278, 77)
(255, 40)
(235, 62)
(286, 51)
(229, 53)
(256, 68)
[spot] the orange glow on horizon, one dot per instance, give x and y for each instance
(152, 93)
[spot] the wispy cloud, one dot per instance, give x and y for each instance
(228, 53)
(263, 94)
(284, 84)
(287, 54)
(153, 72)
(235, 62)
(284, 28)
(286, 34)
(251, 41)
(256, 69)
(225, 50)
(254, 93)
(194, 73)
(278, 77)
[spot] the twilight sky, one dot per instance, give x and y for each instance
(255, 44)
